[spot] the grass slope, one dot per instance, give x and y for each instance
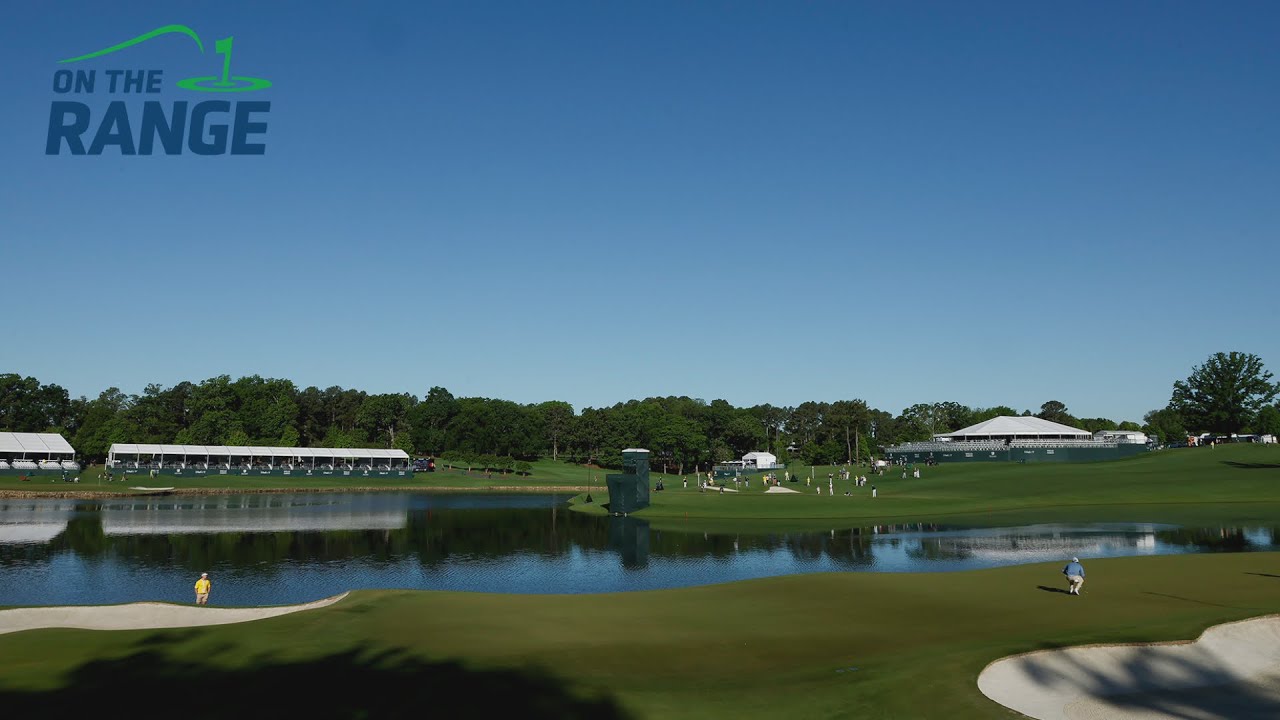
(1233, 483)
(778, 647)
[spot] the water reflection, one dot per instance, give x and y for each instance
(629, 537)
(270, 549)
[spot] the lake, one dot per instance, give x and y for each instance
(288, 548)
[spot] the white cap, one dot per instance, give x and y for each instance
(204, 574)
(1075, 559)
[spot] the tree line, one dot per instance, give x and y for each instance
(1231, 392)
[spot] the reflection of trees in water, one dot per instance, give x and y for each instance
(940, 549)
(1216, 539)
(433, 538)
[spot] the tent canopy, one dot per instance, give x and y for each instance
(1015, 427)
(35, 443)
(255, 451)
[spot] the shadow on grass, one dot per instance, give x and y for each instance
(151, 683)
(1046, 588)
(1263, 575)
(1251, 466)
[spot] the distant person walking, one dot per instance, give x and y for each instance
(202, 589)
(1075, 576)
(873, 491)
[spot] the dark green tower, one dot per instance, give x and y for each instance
(629, 491)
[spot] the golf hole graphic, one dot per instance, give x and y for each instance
(237, 83)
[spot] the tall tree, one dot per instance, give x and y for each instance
(556, 418)
(1055, 411)
(1224, 394)
(1165, 425)
(430, 420)
(1267, 421)
(382, 417)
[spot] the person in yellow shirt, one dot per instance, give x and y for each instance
(202, 589)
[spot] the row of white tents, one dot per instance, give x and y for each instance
(142, 455)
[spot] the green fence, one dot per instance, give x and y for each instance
(1026, 455)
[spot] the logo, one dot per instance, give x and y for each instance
(204, 127)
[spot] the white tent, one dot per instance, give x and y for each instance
(761, 460)
(35, 446)
(167, 455)
(1008, 427)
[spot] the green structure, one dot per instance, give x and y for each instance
(629, 490)
(1063, 452)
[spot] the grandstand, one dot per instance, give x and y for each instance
(36, 453)
(198, 460)
(1017, 439)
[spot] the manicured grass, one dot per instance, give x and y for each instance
(771, 648)
(1232, 483)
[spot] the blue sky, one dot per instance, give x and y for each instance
(991, 203)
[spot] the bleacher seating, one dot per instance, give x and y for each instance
(70, 465)
(25, 465)
(1029, 444)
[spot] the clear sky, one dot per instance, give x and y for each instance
(991, 203)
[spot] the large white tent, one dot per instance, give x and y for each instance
(35, 446)
(1008, 427)
(32, 451)
(162, 456)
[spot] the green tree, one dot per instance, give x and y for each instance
(1093, 425)
(1267, 421)
(28, 406)
(381, 417)
(1225, 394)
(557, 417)
(1165, 425)
(430, 420)
(1055, 411)
(845, 419)
(984, 414)
(101, 426)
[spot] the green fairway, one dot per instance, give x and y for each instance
(1232, 483)
(855, 645)
(852, 645)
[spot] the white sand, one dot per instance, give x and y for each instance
(141, 616)
(780, 489)
(1231, 671)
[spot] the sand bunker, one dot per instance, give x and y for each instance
(141, 616)
(1231, 671)
(780, 489)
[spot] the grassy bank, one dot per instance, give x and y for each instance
(855, 645)
(1234, 483)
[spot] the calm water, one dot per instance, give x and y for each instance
(275, 549)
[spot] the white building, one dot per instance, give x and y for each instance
(1132, 437)
(761, 460)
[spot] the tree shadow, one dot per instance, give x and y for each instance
(1251, 466)
(1046, 588)
(153, 683)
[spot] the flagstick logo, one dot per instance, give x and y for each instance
(207, 127)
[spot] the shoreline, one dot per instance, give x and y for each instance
(188, 492)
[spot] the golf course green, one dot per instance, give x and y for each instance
(833, 645)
